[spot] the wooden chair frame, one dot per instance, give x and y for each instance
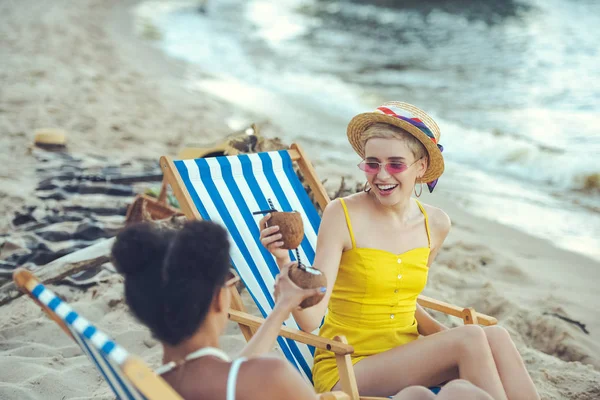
(249, 323)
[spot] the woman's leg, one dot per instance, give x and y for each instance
(461, 352)
(463, 390)
(415, 393)
(513, 374)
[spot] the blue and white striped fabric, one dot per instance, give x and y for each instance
(227, 190)
(106, 355)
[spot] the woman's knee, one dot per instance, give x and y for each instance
(471, 338)
(415, 393)
(464, 390)
(497, 334)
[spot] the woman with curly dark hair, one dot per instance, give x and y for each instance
(177, 284)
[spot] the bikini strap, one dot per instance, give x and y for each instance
(232, 378)
(426, 222)
(205, 351)
(348, 223)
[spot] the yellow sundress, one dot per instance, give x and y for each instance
(373, 303)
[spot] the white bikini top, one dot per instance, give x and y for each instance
(209, 351)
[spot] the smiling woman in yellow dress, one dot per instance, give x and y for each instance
(376, 248)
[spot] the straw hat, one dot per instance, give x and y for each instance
(410, 118)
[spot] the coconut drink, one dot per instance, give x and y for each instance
(291, 228)
(290, 225)
(308, 278)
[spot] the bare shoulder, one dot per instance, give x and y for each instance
(332, 224)
(262, 366)
(335, 210)
(439, 221)
(356, 200)
(281, 378)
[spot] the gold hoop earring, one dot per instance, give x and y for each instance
(420, 191)
(367, 188)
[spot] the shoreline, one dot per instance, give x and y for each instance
(495, 268)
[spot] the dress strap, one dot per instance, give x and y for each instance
(232, 378)
(348, 223)
(426, 221)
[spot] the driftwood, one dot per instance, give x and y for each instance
(84, 259)
(90, 257)
(580, 325)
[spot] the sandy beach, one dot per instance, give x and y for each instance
(80, 66)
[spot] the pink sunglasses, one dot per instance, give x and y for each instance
(392, 167)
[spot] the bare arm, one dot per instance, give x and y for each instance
(287, 297)
(330, 244)
(264, 339)
(440, 224)
(427, 325)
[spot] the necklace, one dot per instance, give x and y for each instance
(205, 351)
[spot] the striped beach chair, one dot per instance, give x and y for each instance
(228, 190)
(128, 376)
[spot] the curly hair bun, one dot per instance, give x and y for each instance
(199, 251)
(138, 248)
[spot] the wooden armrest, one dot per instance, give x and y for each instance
(294, 334)
(456, 311)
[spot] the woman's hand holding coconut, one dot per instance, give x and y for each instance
(289, 295)
(271, 238)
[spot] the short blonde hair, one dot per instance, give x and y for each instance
(381, 130)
